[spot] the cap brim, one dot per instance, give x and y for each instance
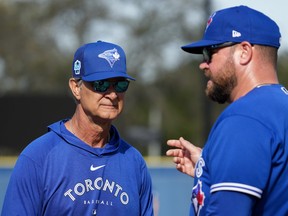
(198, 46)
(106, 75)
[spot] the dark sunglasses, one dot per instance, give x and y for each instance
(209, 51)
(103, 85)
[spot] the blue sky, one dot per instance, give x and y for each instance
(276, 9)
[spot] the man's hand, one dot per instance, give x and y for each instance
(185, 155)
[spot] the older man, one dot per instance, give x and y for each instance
(81, 166)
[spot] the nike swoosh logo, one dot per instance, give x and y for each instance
(92, 168)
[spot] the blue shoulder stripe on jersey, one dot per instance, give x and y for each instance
(236, 187)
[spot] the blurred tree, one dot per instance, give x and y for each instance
(29, 62)
(39, 37)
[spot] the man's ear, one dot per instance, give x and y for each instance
(246, 52)
(74, 87)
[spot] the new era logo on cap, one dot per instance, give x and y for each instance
(236, 34)
(98, 61)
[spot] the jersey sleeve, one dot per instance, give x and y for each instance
(23, 191)
(225, 200)
(240, 156)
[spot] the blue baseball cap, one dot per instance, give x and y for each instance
(98, 61)
(237, 24)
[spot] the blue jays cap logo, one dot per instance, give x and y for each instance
(77, 67)
(210, 20)
(111, 56)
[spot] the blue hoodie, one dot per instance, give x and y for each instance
(58, 174)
